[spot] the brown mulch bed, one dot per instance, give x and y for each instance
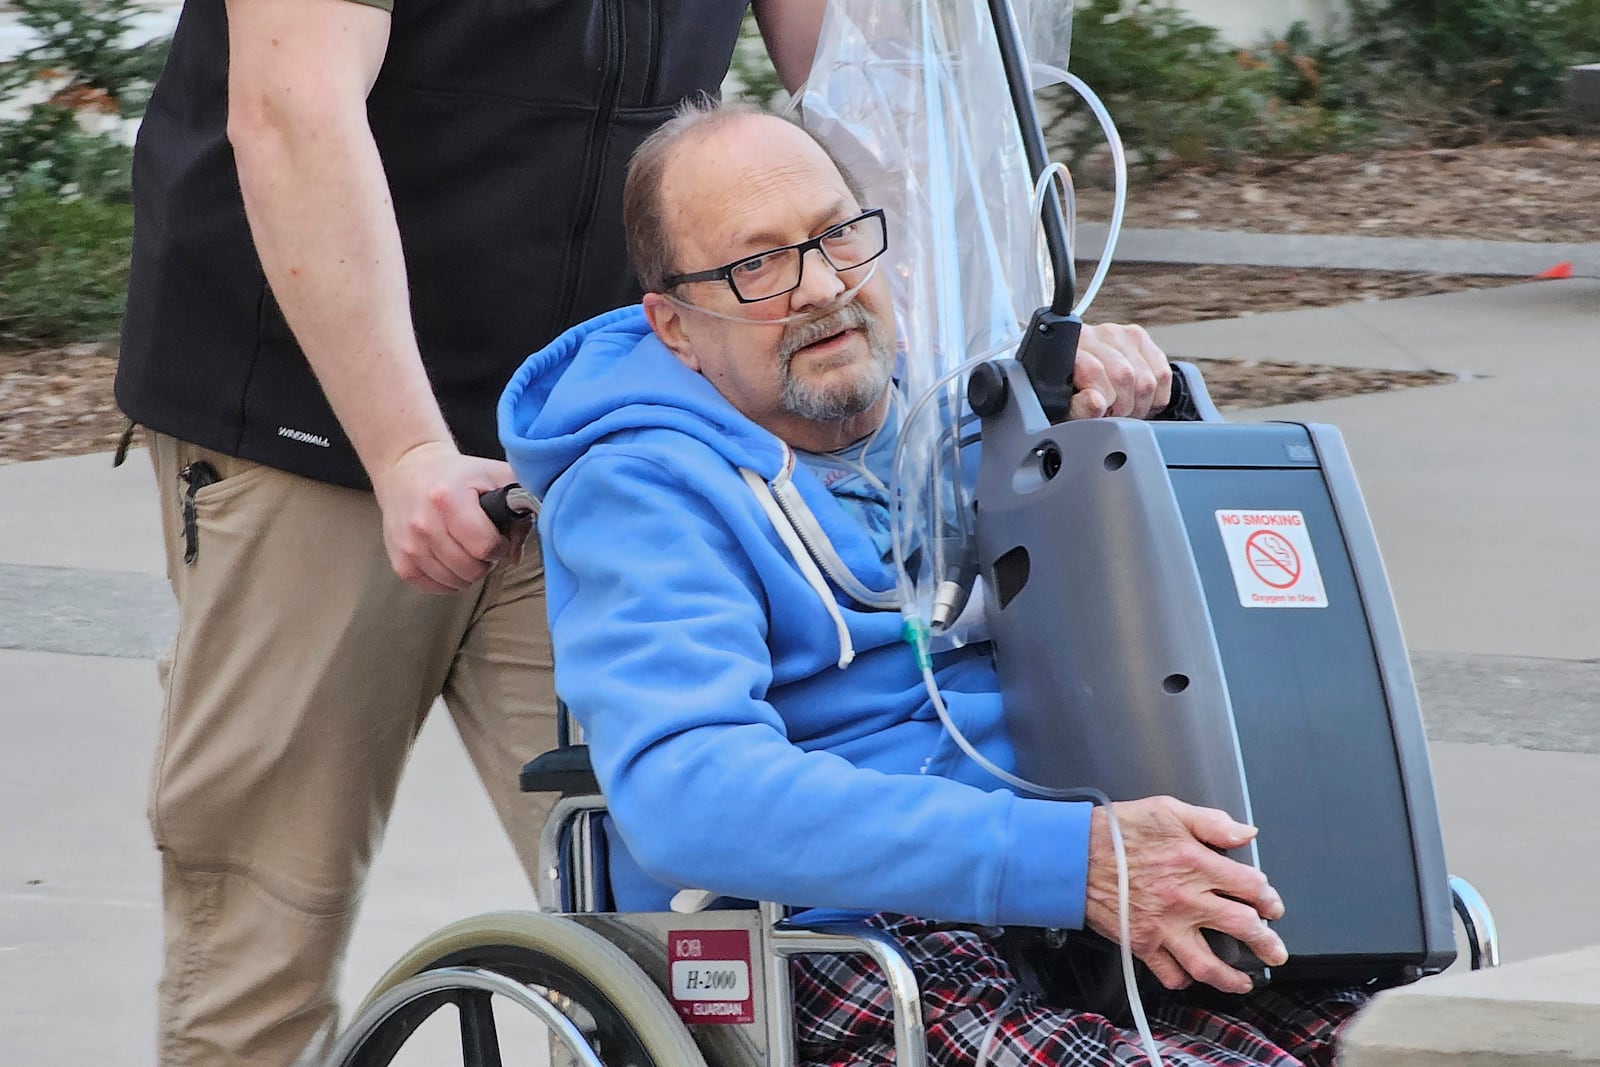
(1540, 190)
(1235, 384)
(1156, 294)
(57, 402)
(1159, 294)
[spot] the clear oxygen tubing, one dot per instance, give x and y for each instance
(1070, 196)
(917, 634)
(907, 585)
(896, 403)
(1119, 168)
(994, 1026)
(1041, 190)
(916, 629)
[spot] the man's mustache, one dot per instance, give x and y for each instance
(799, 335)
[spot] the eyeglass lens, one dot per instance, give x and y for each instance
(847, 245)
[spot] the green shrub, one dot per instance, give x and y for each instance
(63, 265)
(1179, 94)
(1399, 70)
(1578, 24)
(1467, 68)
(50, 148)
(66, 222)
(82, 42)
(752, 68)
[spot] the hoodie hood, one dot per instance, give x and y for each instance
(610, 375)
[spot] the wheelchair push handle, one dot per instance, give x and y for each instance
(507, 504)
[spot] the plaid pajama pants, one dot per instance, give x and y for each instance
(844, 1016)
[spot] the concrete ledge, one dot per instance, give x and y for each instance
(1583, 91)
(1542, 1011)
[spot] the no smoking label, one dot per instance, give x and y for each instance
(1271, 558)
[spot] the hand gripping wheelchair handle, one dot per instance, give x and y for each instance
(508, 504)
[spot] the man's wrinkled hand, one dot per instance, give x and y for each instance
(1120, 370)
(436, 533)
(1179, 886)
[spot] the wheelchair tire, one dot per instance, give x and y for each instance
(625, 1019)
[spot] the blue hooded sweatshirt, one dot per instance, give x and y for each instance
(760, 729)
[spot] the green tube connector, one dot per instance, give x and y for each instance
(916, 635)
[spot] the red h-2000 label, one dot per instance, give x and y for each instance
(711, 976)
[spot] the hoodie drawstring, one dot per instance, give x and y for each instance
(802, 558)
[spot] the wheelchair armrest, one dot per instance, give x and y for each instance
(834, 931)
(1483, 937)
(563, 770)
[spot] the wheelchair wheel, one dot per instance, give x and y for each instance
(596, 1004)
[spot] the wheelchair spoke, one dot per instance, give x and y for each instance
(530, 979)
(480, 1042)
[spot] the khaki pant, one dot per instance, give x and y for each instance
(300, 675)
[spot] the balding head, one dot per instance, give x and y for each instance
(646, 214)
(801, 338)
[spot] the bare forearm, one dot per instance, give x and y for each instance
(790, 29)
(324, 227)
(299, 72)
(314, 189)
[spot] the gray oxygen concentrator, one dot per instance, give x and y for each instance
(1199, 609)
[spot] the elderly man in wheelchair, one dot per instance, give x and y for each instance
(713, 467)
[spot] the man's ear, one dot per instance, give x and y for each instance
(666, 320)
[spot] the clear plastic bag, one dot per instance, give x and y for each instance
(913, 98)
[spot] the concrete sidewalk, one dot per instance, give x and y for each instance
(84, 610)
(1481, 490)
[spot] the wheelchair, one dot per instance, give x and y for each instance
(617, 989)
(601, 982)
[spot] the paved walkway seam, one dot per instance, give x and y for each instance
(1512, 259)
(85, 612)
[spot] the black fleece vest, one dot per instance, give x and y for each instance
(505, 128)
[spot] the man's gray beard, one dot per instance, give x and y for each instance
(820, 403)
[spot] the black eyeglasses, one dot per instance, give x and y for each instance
(852, 243)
